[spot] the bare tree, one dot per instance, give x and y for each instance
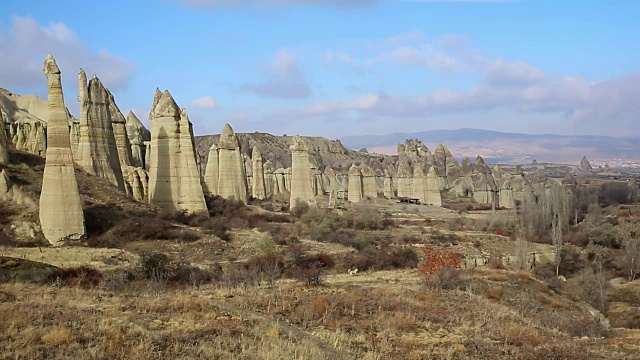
(558, 210)
(630, 235)
(547, 210)
(599, 254)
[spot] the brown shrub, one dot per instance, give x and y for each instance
(495, 262)
(57, 336)
(493, 292)
(521, 336)
(82, 276)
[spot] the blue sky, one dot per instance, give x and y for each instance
(344, 67)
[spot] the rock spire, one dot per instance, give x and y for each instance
(300, 183)
(174, 180)
(232, 179)
(61, 214)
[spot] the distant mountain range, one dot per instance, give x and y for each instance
(509, 148)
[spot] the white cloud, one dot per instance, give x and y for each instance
(204, 103)
(426, 56)
(25, 44)
(284, 79)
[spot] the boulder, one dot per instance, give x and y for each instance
(27, 271)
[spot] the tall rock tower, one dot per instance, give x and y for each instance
(61, 214)
(258, 187)
(97, 152)
(301, 188)
(174, 180)
(355, 184)
(232, 179)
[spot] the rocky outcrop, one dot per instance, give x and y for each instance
(418, 183)
(333, 187)
(25, 118)
(403, 178)
(174, 180)
(301, 187)
(388, 185)
(279, 186)
(12, 193)
(137, 183)
(432, 194)
(137, 135)
(355, 184)
(232, 179)
(269, 178)
(447, 165)
(585, 165)
(97, 152)
(369, 188)
(258, 187)
(61, 214)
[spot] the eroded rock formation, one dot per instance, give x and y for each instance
(174, 180)
(301, 186)
(97, 152)
(232, 179)
(212, 174)
(432, 194)
(258, 187)
(61, 214)
(369, 188)
(585, 165)
(137, 135)
(388, 185)
(355, 184)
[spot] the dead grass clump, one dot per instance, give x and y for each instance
(57, 336)
(497, 276)
(550, 300)
(161, 269)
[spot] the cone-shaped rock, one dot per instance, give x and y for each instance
(300, 180)
(355, 184)
(97, 152)
(232, 179)
(174, 180)
(585, 165)
(61, 214)
(137, 135)
(211, 173)
(258, 187)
